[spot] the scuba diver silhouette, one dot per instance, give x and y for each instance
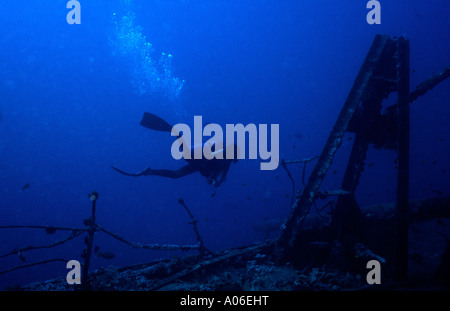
(215, 170)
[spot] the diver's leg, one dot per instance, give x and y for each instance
(185, 170)
(145, 172)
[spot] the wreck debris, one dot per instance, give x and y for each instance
(20, 251)
(34, 264)
(214, 260)
(385, 70)
(86, 255)
(289, 234)
(429, 83)
(91, 228)
(305, 162)
(193, 222)
(401, 256)
(155, 246)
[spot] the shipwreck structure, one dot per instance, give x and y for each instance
(356, 231)
(385, 70)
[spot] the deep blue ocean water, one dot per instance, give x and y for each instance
(72, 97)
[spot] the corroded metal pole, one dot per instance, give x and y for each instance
(429, 83)
(401, 262)
(303, 203)
(85, 284)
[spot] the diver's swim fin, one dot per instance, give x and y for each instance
(153, 122)
(145, 172)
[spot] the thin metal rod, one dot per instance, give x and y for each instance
(85, 284)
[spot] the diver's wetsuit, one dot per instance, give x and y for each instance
(211, 169)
